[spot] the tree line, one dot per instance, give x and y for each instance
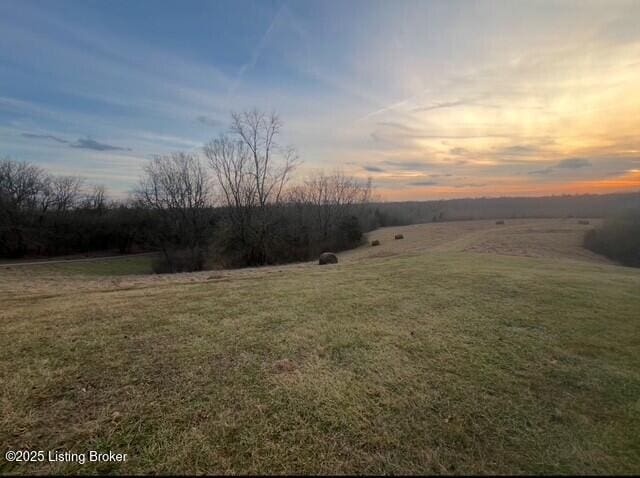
(618, 238)
(561, 206)
(232, 205)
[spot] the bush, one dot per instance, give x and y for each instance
(618, 239)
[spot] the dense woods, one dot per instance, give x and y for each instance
(238, 204)
(618, 238)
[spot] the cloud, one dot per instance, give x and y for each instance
(430, 131)
(452, 104)
(208, 121)
(397, 125)
(411, 165)
(372, 169)
(442, 104)
(574, 163)
(44, 136)
(79, 144)
(519, 150)
(458, 151)
(257, 51)
(470, 185)
(96, 146)
(569, 163)
(423, 183)
(542, 172)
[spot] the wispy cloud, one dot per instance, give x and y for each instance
(96, 146)
(417, 165)
(458, 151)
(470, 185)
(541, 172)
(519, 150)
(450, 104)
(44, 136)
(257, 51)
(574, 163)
(423, 183)
(208, 121)
(78, 144)
(569, 163)
(372, 169)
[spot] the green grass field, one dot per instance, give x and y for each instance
(420, 362)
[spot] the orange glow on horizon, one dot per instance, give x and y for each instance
(628, 182)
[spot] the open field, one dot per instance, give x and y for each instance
(552, 238)
(464, 348)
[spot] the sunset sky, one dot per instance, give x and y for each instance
(430, 99)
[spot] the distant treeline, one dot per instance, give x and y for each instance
(618, 238)
(587, 205)
(232, 207)
(45, 215)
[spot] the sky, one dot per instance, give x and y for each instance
(431, 99)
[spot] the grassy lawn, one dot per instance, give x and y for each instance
(426, 363)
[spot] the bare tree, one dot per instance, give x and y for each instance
(23, 191)
(176, 187)
(332, 198)
(270, 165)
(96, 199)
(65, 192)
(252, 170)
(20, 183)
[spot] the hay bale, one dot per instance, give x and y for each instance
(583, 222)
(375, 243)
(327, 258)
(499, 222)
(399, 236)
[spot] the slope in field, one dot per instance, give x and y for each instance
(552, 238)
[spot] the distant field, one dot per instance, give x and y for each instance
(553, 238)
(463, 348)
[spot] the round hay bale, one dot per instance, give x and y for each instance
(327, 258)
(375, 243)
(399, 236)
(499, 222)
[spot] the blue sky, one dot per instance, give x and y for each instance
(430, 99)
